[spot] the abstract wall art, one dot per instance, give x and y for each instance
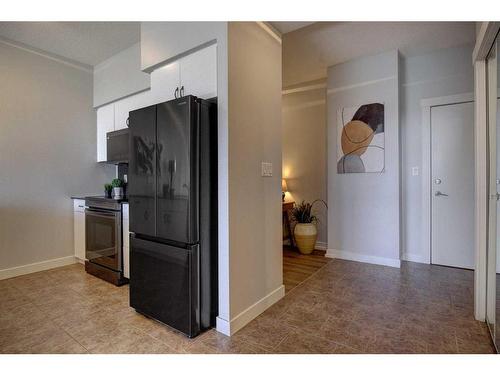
(361, 139)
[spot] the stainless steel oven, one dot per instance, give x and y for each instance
(103, 233)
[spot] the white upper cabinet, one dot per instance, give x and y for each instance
(121, 112)
(194, 74)
(125, 105)
(105, 123)
(198, 73)
(165, 83)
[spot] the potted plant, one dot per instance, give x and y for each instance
(305, 231)
(117, 188)
(107, 190)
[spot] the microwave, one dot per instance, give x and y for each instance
(117, 144)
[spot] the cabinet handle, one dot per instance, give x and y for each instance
(182, 91)
(175, 92)
(128, 121)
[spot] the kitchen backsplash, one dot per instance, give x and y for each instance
(122, 170)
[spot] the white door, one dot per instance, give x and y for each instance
(122, 108)
(492, 290)
(165, 83)
(198, 72)
(494, 181)
(452, 174)
(130, 103)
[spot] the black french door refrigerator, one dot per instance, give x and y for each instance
(172, 187)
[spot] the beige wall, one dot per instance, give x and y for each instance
(47, 153)
(304, 151)
(255, 136)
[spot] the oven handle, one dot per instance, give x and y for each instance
(101, 213)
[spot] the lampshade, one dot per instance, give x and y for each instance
(284, 187)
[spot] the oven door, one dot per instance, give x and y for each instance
(103, 235)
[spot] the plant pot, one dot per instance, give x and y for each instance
(305, 237)
(117, 192)
(107, 193)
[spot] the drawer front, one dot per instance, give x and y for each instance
(164, 284)
(79, 205)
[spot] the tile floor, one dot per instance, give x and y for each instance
(345, 307)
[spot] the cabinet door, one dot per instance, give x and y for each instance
(164, 82)
(122, 108)
(130, 103)
(105, 124)
(79, 231)
(198, 73)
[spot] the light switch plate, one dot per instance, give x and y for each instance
(267, 169)
(414, 171)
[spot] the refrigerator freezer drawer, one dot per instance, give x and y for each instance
(164, 284)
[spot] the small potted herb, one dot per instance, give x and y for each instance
(305, 231)
(107, 190)
(117, 185)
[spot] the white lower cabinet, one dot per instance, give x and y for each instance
(79, 228)
(125, 242)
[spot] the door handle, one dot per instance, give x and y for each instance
(439, 194)
(176, 92)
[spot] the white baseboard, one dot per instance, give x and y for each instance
(36, 267)
(246, 316)
(418, 258)
(321, 246)
(357, 257)
(223, 326)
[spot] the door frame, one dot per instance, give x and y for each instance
(426, 105)
(484, 41)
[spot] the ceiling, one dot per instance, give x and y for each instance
(87, 43)
(310, 50)
(286, 27)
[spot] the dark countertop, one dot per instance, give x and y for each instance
(81, 196)
(78, 196)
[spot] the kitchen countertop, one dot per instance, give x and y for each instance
(83, 196)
